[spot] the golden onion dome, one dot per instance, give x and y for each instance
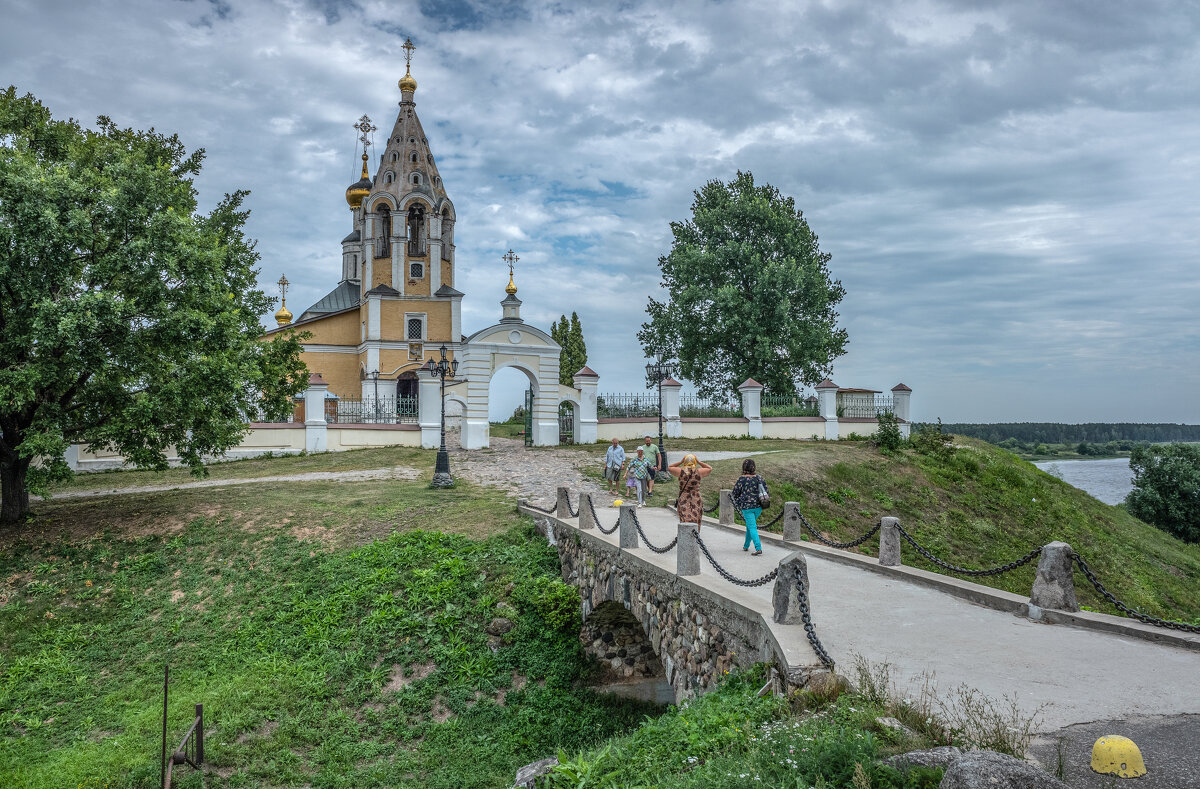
(511, 288)
(357, 192)
(284, 316)
(407, 83)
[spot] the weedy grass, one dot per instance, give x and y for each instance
(733, 738)
(979, 507)
(331, 644)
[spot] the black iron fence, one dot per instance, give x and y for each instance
(627, 406)
(697, 407)
(371, 410)
(863, 407)
(789, 405)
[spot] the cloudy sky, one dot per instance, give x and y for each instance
(1008, 190)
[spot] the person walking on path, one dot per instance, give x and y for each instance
(614, 460)
(747, 497)
(690, 471)
(651, 457)
(640, 472)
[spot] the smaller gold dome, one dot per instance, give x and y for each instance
(284, 316)
(407, 83)
(511, 288)
(357, 192)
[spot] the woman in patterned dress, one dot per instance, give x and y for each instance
(690, 471)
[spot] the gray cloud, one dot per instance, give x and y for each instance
(1007, 188)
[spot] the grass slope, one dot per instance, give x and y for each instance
(323, 656)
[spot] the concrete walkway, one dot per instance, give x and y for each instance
(1071, 674)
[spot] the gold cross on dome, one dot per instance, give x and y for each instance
(510, 259)
(364, 125)
(408, 52)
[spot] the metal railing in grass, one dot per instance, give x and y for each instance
(788, 405)
(191, 747)
(617, 405)
(697, 407)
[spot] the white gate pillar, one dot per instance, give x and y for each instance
(586, 422)
(901, 395)
(315, 427)
(827, 399)
(429, 410)
(670, 407)
(752, 406)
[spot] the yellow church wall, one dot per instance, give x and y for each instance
(341, 329)
(340, 371)
(437, 319)
(381, 271)
(447, 273)
(417, 287)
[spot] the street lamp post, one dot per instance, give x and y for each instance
(374, 376)
(443, 369)
(659, 370)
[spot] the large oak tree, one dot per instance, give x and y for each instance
(128, 320)
(749, 293)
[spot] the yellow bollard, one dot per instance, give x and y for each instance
(1116, 755)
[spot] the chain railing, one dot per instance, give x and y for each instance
(532, 506)
(1138, 615)
(1004, 568)
(728, 576)
(810, 629)
(831, 543)
(645, 539)
(596, 518)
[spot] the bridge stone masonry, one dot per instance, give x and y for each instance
(658, 596)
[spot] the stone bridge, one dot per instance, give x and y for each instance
(648, 611)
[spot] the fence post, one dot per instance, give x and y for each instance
(752, 406)
(889, 542)
(1054, 584)
(586, 521)
(687, 551)
(785, 597)
(199, 735)
(673, 427)
(827, 400)
(628, 536)
(316, 429)
(725, 513)
(793, 527)
(563, 505)
(429, 411)
(901, 397)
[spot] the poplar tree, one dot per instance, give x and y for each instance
(128, 320)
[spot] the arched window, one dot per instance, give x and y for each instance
(385, 232)
(395, 156)
(447, 233)
(388, 177)
(417, 179)
(354, 267)
(416, 231)
(413, 157)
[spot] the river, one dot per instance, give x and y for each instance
(1108, 480)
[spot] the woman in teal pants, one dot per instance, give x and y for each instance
(745, 495)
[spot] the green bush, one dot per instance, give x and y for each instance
(551, 601)
(1166, 488)
(887, 436)
(931, 440)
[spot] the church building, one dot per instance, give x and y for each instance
(396, 307)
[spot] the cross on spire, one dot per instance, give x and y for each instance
(510, 258)
(408, 53)
(364, 125)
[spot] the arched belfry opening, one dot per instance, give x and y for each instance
(385, 231)
(416, 230)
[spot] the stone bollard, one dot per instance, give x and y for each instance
(687, 551)
(785, 599)
(725, 513)
(1054, 585)
(563, 505)
(793, 527)
(889, 542)
(586, 508)
(625, 528)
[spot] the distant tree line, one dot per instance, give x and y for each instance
(1127, 434)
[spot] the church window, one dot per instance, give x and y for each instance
(416, 230)
(385, 232)
(395, 156)
(414, 327)
(447, 233)
(354, 267)
(412, 140)
(388, 178)
(413, 157)
(416, 270)
(437, 181)
(417, 179)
